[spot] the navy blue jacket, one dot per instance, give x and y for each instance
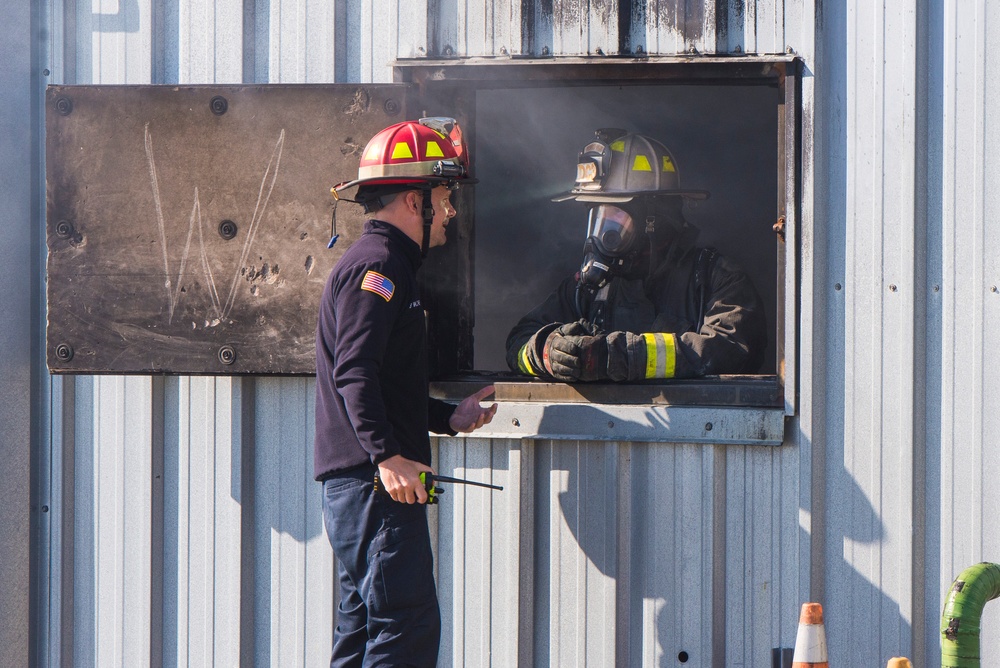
(371, 358)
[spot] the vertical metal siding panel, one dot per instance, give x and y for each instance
(294, 563)
(894, 485)
(672, 582)
(580, 27)
(379, 39)
(22, 449)
(665, 32)
(450, 558)
(681, 26)
(511, 530)
(226, 533)
(990, 433)
(853, 524)
(871, 496)
(583, 565)
(207, 532)
(122, 510)
(302, 48)
(769, 31)
(961, 324)
(934, 448)
(763, 540)
(750, 40)
(735, 41)
(475, 29)
(491, 28)
(210, 48)
(120, 38)
(411, 29)
(755, 567)
(84, 585)
(483, 553)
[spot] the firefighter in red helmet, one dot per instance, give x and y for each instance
(647, 302)
(373, 412)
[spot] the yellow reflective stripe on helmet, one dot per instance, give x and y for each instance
(641, 164)
(668, 164)
(661, 355)
(524, 363)
(434, 150)
(401, 151)
(618, 146)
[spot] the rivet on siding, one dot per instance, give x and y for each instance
(516, 422)
(45, 509)
(708, 426)
(64, 352)
(693, 49)
(993, 289)
(545, 50)
(227, 229)
(227, 355)
(45, 72)
(682, 656)
(937, 288)
(611, 424)
(892, 287)
(64, 106)
(390, 107)
(599, 51)
(503, 51)
(219, 105)
(448, 50)
(639, 50)
(790, 50)
(738, 49)
(837, 287)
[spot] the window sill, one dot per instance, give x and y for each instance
(716, 410)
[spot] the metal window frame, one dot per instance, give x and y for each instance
(753, 406)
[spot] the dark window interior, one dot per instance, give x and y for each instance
(724, 138)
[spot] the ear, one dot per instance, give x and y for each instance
(413, 201)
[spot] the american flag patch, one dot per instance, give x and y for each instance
(379, 284)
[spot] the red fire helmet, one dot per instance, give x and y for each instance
(430, 150)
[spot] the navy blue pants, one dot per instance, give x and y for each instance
(388, 613)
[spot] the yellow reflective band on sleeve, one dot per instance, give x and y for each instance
(641, 164)
(401, 151)
(523, 363)
(661, 355)
(434, 150)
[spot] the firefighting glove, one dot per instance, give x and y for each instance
(572, 352)
(641, 356)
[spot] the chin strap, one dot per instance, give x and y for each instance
(427, 212)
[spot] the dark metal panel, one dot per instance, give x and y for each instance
(187, 226)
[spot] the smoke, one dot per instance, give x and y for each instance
(723, 138)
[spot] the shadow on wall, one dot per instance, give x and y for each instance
(125, 20)
(673, 528)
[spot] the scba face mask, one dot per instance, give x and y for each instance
(611, 248)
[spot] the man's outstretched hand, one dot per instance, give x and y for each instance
(469, 415)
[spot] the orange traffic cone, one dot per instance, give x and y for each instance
(899, 662)
(810, 643)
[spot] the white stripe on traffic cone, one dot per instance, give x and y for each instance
(810, 642)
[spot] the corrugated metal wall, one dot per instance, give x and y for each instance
(180, 522)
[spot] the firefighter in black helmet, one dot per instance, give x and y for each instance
(647, 302)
